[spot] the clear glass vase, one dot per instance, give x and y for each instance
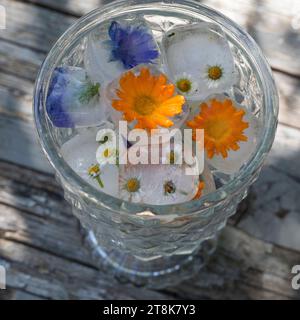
(149, 244)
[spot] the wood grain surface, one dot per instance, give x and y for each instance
(40, 243)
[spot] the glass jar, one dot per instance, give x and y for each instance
(149, 244)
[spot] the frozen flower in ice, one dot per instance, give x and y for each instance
(230, 133)
(121, 46)
(167, 184)
(132, 44)
(216, 75)
(79, 153)
(147, 99)
(95, 172)
(73, 100)
(131, 184)
(185, 84)
(107, 153)
(202, 51)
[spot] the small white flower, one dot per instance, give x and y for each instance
(107, 153)
(169, 185)
(132, 184)
(196, 48)
(217, 73)
(185, 84)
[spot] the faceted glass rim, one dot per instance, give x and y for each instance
(88, 193)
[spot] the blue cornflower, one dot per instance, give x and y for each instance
(132, 45)
(72, 98)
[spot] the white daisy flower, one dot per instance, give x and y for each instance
(107, 153)
(185, 84)
(202, 51)
(218, 74)
(79, 152)
(131, 183)
(169, 185)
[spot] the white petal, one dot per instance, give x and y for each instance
(80, 153)
(186, 185)
(192, 48)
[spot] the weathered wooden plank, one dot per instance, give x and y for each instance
(273, 214)
(19, 144)
(242, 268)
(42, 249)
(33, 26)
(20, 61)
(51, 277)
(289, 99)
(273, 24)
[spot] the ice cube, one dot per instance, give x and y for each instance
(80, 154)
(199, 59)
(73, 100)
(119, 46)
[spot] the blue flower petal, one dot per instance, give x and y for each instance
(68, 96)
(132, 45)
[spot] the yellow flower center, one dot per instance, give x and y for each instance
(147, 99)
(223, 126)
(169, 187)
(184, 85)
(172, 157)
(93, 170)
(217, 128)
(133, 185)
(144, 105)
(215, 72)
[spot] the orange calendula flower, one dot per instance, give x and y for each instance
(201, 186)
(147, 99)
(223, 126)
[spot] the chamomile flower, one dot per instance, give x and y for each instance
(202, 51)
(107, 153)
(131, 183)
(169, 184)
(216, 75)
(185, 84)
